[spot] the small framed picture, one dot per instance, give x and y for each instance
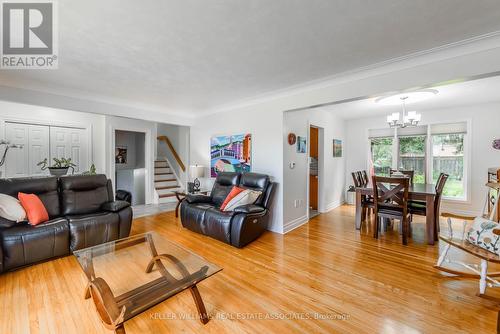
(337, 148)
(301, 144)
(121, 155)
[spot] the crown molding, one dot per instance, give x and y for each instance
(443, 52)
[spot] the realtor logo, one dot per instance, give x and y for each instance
(29, 39)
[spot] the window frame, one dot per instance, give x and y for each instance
(429, 158)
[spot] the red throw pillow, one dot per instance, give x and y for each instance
(235, 191)
(35, 210)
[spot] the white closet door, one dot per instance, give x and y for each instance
(16, 162)
(38, 148)
(35, 141)
(70, 143)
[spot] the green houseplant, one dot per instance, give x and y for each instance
(59, 167)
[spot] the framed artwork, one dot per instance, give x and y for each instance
(496, 144)
(231, 153)
(337, 148)
(301, 144)
(121, 155)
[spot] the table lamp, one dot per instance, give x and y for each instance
(196, 171)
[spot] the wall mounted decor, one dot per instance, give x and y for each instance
(496, 144)
(121, 155)
(337, 148)
(231, 153)
(301, 144)
(292, 138)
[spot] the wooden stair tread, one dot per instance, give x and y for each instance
(166, 195)
(164, 173)
(166, 187)
(169, 180)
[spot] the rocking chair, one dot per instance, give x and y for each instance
(475, 271)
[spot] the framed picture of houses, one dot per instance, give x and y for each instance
(231, 153)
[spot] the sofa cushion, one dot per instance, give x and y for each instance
(257, 182)
(35, 210)
(222, 186)
(217, 224)
(46, 188)
(244, 198)
(193, 215)
(11, 208)
(83, 194)
(24, 244)
(93, 229)
(232, 194)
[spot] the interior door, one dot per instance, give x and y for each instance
(313, 168)
(70, 143)
(35, 140)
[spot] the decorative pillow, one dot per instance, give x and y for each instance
(35, 210)
(235, 191)
(481, 234)
(11, 208)
(243, 198)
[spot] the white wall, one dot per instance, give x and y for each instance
(266, 129)
(485, 122)
(332, 170)
(128, 124)
(179, 137)
(264, 117)
(134, 142)
(10, 111)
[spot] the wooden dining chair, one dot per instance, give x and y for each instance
(408, 173)
(367, 205)
(420, 207)
(366, 180)
(391, 202)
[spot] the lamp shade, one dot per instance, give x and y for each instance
(197, 171)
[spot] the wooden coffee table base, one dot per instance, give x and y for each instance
(114, 311)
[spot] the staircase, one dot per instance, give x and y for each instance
(165, 182)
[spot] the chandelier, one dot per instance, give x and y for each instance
(409, 118)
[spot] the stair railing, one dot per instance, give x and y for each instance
(174, 152)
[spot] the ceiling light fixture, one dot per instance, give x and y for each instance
(409, 118)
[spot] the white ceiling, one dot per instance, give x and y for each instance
(454, 95)
(195, 55)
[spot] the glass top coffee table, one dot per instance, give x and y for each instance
(129, 276)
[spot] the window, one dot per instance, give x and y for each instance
(381, 154)
(428, 150)
(448, 157)
(412, 156)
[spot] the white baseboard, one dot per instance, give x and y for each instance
(291, 225)
(333, 205)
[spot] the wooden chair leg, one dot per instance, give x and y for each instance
(482, 281)
(405, 231)
(376, 227)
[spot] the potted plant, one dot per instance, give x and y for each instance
(60, 166)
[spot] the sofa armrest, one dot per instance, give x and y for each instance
(249, 208)
(115, 206)
(197, 198)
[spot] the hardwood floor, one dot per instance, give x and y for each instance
(325, 268)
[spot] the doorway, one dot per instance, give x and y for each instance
(314, 170)
(130, 164)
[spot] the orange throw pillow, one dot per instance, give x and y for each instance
(35, 210)
(235, 191)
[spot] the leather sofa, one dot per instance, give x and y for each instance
(202, 214)
(82, 213)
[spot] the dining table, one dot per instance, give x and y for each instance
(416, 192)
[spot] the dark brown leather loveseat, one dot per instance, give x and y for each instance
(82, 213)
(246, 223)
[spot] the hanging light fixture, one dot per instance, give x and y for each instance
(410, 118)
(406, 118)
